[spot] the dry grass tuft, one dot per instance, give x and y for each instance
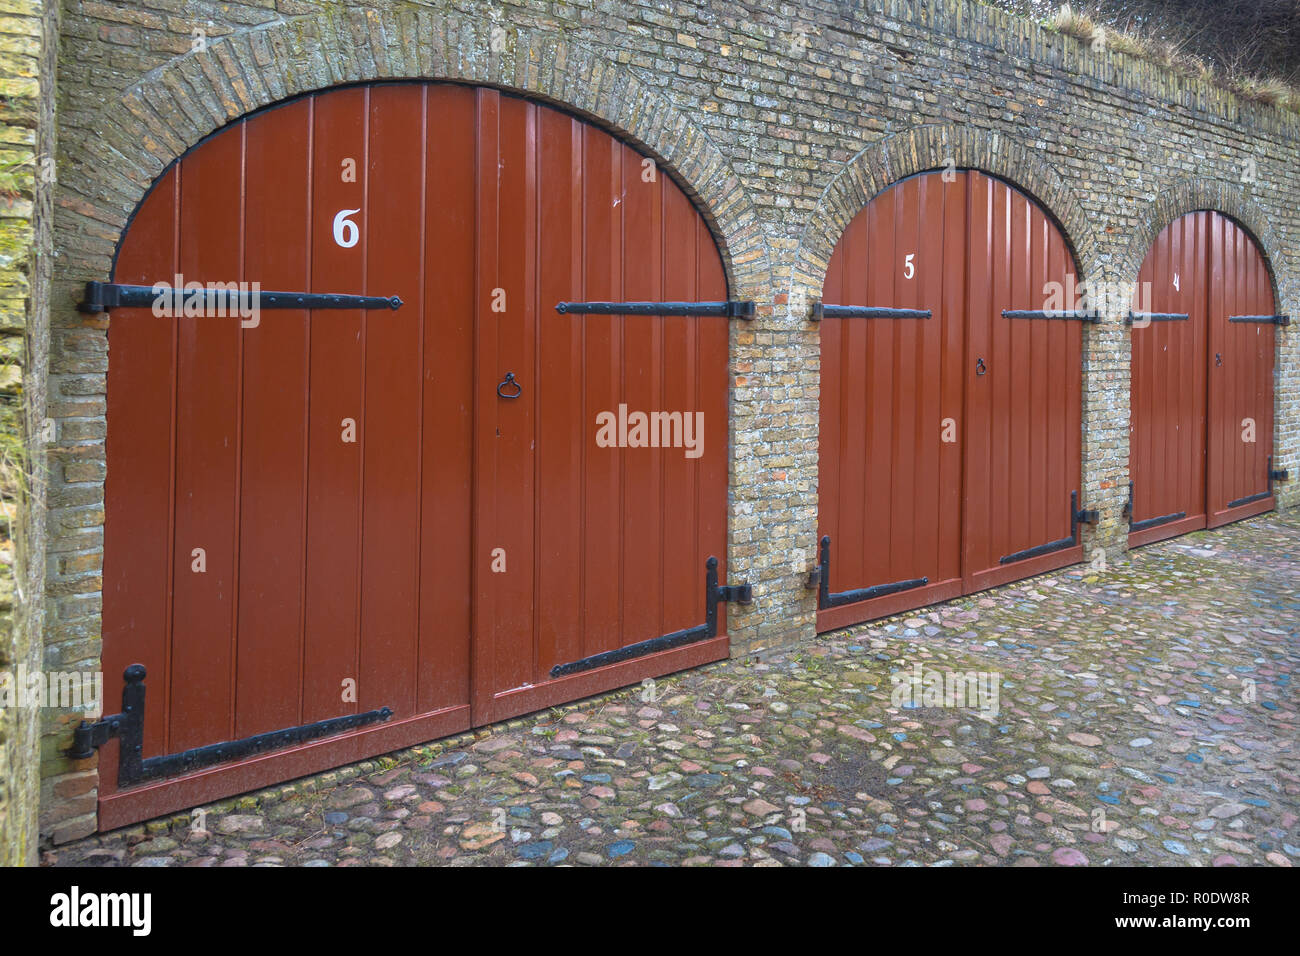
(1074, 23)
(1270, 91)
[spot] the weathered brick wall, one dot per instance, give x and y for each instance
(782, 122)
(27, 71)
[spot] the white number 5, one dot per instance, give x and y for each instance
(346, 232)
(909, 270)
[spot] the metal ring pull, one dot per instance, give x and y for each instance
(980, 367)
(1218, 358)
(506, 383)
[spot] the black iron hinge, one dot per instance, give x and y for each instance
(1145, 317)
(1077, 517)
(1263, 319)
(819, 580)
(1080, 516)
(106, 296)
(822, 311)
(1147, 522)
(731, 309)
(714, 594)
(1076, 315)
(128, 727)
(1270, 475)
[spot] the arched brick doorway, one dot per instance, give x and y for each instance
(327, 513)
(951, 398)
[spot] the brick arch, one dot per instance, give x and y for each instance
(922, 148)
(175, 107)
(1190, 195)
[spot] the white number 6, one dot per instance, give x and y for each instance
(909, 270)
(346, 232)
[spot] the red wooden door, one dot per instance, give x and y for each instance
(1024, 427)
(1168, 384)
(304, 513)
(1240, 372)
(891, 401)
(603, 547)
(1201, 426)
(949, 443)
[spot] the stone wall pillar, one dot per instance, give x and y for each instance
(28, 47)
(1106, 350)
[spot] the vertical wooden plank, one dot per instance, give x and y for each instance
(679, 364)
(1015, 375)
(447, 420)
(642, 534)
(563, 427)
(140, 457)
(1044, 470)
(712, 387)
(909, 380)
(950, 317)
(1219, 453)
(483, 656)
(1196, 258)
(871, 518)
(392, 233)
(336, 416)
(602, 352)
(515, 438)
(978, 459)
(207, 436)
(273, 473)
(849, 550)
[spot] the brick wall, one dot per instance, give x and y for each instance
(781, 122)
(27, 71)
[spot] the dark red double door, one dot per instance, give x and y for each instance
(950, 445)
(1201, 420)
(334, 511)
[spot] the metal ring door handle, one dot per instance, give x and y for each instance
(507, 382)
(1218, 358)
(980, 367)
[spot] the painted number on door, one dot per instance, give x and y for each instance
(346, 232)
(909, 269)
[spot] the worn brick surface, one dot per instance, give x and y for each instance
(780, 120)
(26, 166)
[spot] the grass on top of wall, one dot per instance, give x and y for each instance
(1271, 91)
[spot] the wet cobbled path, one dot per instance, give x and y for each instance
(1145, 714)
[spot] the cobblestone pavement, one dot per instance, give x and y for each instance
(1145, 715)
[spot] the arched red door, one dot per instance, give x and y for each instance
(951, 367)
(325, 513)
(1201, 419)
